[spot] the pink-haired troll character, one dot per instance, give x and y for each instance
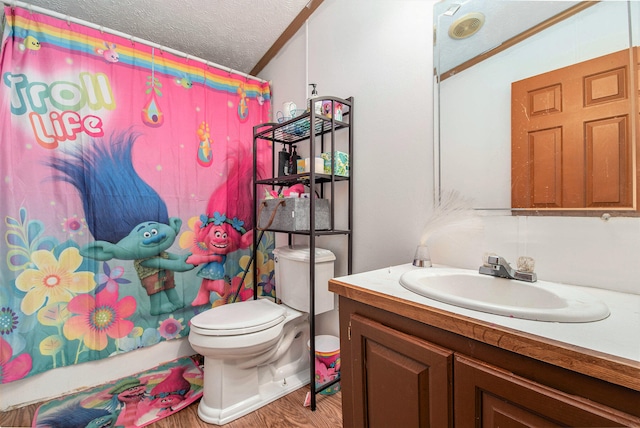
(223, 229)
(127, 395)
(169, 393)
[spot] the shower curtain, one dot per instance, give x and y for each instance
(126, 193)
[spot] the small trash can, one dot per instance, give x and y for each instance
(327, 362)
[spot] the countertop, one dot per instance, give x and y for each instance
(608, 349)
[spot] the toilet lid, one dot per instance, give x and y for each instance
(239, 318)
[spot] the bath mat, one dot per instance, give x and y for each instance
(134, 401)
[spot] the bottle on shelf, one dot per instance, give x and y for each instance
(293, 161)
(283, 162)
(317, 106)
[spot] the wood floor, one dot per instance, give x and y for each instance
(287, 411)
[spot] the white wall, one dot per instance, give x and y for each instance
(587, 251)
(379, 52)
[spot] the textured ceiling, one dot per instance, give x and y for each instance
(230, 33)
(237, 33)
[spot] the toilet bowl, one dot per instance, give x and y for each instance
(254, 353)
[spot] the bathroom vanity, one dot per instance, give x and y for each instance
(413, 362)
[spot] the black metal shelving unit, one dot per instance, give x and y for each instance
(320, 133)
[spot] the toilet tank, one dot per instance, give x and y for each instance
(292, 277)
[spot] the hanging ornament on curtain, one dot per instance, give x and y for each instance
(205, 153)
(243, 108)
(151, 113)
(109, 53)
(184, 81)
(29, 43)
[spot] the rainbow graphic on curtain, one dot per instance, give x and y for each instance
(126, 197)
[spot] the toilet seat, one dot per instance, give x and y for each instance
(236, 319)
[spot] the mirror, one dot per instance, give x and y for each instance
(473, 77)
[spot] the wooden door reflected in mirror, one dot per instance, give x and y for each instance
(572, 133)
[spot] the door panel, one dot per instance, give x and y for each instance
(607, 173)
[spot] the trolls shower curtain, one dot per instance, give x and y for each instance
(126, 199)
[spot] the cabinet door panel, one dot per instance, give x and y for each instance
(486, 396)
(399, 380)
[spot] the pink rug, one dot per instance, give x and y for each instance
(134, 401)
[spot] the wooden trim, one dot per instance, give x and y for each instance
(286, 35)
(605, 214)
(634, 90)
(518, 38)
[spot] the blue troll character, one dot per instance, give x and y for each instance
(76, 416)
(126, 216)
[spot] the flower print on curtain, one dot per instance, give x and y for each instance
(126, 197)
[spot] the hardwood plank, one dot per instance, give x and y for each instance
(287, 411)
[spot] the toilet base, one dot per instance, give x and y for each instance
(267, 392)
(232, 389)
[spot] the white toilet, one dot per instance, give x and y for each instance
(256, 351)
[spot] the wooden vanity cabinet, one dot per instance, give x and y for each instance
(488, 396)
(399, 380)
(397, 372)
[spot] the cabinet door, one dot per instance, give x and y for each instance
(486, 396)
(399, 380)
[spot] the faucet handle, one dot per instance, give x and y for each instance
(490, 259)
(526, 264)
(494, 259)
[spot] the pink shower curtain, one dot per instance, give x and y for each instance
(126, 193)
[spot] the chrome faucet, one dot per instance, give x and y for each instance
(498, 266)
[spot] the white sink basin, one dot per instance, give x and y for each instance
(538, 301)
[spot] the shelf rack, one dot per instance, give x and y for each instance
(320, 131)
